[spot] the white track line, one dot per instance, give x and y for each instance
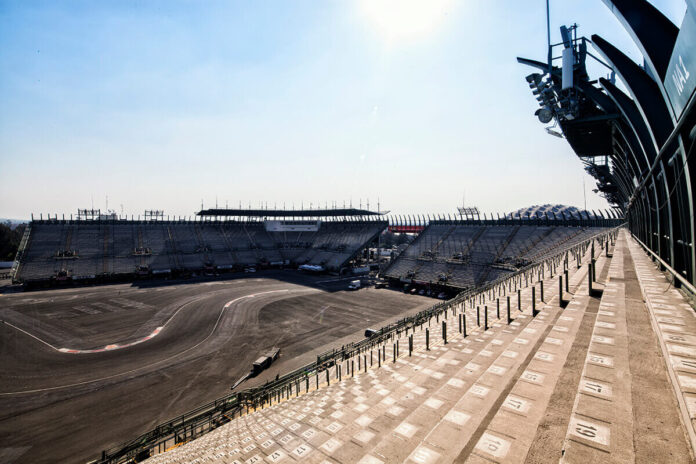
(148, 365)
(116, 346)
(32, 336)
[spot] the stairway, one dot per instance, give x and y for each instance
(21, 250)
(508, 240)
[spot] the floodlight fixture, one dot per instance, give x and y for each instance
(544, 114)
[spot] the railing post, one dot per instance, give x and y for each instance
(485, 318)
(509, 319)
(410, 345)
(594, 267)
(427, 339)
(497, 307)
(560, 290)
(478, 316)
(534, 313)
(589, 278)
(592, 254)
(444, 331)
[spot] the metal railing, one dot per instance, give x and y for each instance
(211, 415)
(679, 278)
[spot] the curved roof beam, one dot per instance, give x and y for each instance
(626, 137)
(632, 115)
(643, 89)
(653, 33)
(621, 179)
(598, 97)
(626, 155)
(534, 63)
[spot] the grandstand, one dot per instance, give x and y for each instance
(103, 249)
(454, 254)
(460, 255)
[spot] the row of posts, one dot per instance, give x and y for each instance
(481, 299)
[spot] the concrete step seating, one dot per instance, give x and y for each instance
(476, 398)
(673, 320)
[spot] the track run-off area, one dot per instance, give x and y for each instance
(116, 346)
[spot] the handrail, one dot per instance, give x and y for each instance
(256, 395)
(669, 268)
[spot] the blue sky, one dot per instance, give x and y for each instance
(162, 105)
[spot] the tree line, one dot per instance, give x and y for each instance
(9, 240)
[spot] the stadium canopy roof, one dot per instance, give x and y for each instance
(280, 213)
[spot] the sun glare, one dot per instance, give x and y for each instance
(400, 20)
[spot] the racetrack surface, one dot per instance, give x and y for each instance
(67, 407)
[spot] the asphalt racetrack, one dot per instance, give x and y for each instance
(84, 369)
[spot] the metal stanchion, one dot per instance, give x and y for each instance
(534, 312)
(560, 290)
(509, 319)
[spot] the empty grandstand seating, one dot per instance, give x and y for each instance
(490, 394)
(462, 255)
(98, 249)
